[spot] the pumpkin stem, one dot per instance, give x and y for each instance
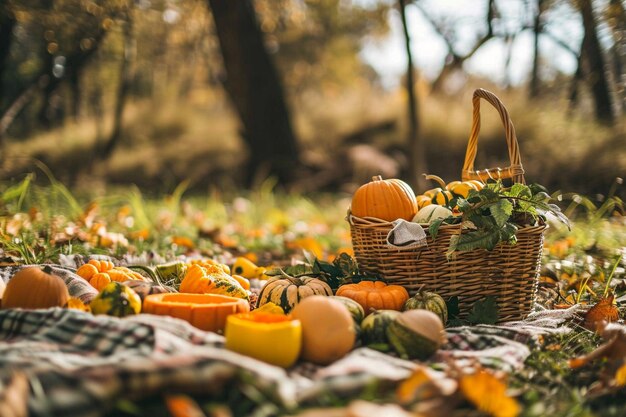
(436, 178)
(47, 269)
(377, 178)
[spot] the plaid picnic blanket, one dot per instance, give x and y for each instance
(78, 364)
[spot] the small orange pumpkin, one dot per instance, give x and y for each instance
(100, 280)
(34, 287)
(100, 273)
(384, 199)
(375, 295)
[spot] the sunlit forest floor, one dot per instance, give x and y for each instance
(346, 136)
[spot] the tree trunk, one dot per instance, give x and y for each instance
(595, 64)
(575, 82)
(7, 23)
(256, 92)
(44, 115)
(75, 102)
(534, 79)
(122, 93)
(617, 17)
(415, 142)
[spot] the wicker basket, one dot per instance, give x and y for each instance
(508, 272)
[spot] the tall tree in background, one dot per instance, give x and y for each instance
(537, 29)
(123, 86)
(594, 62)
(256, 92)
(7, 23)
(415, 143)
(615, 15)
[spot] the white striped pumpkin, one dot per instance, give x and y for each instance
(287, 292)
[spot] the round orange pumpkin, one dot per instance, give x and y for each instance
(375, 295)
(384, 199)
(34, 287)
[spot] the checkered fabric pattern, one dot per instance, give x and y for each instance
(79, 364)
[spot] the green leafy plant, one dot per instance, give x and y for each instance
(495, 213)
(343, 270)
(484, 311)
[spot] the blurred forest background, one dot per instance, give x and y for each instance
(226, 93)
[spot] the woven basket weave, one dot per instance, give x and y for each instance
(508, 272)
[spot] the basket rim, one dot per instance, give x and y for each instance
(379, 223)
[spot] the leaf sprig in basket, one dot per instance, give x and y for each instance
(495, 213)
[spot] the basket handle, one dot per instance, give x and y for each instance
(515, 171)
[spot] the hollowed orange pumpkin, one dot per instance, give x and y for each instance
(204, 311)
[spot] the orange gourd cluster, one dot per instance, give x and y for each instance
(445, 193)
(100, 273)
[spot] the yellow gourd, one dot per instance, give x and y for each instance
(246, 268)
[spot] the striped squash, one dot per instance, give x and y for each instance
(289, 291)
(426, 300)
(353, 307)
(374, 326)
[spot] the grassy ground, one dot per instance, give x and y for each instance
(42, 223)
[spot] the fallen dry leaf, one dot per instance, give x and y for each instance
(424, 385)
(488, 394)
(613, 352)
(185, 242)
(603, 310)
(14, 397)
(183, 406)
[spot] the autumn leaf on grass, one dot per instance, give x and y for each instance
(183, 406)
(185, 242)
(604, 310)
(88, 216)
(141, 234)
(422, 386)
(308, 244)
(488, 394)
(226, 241)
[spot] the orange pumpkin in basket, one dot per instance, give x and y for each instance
(384, 199)
(375, 295)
